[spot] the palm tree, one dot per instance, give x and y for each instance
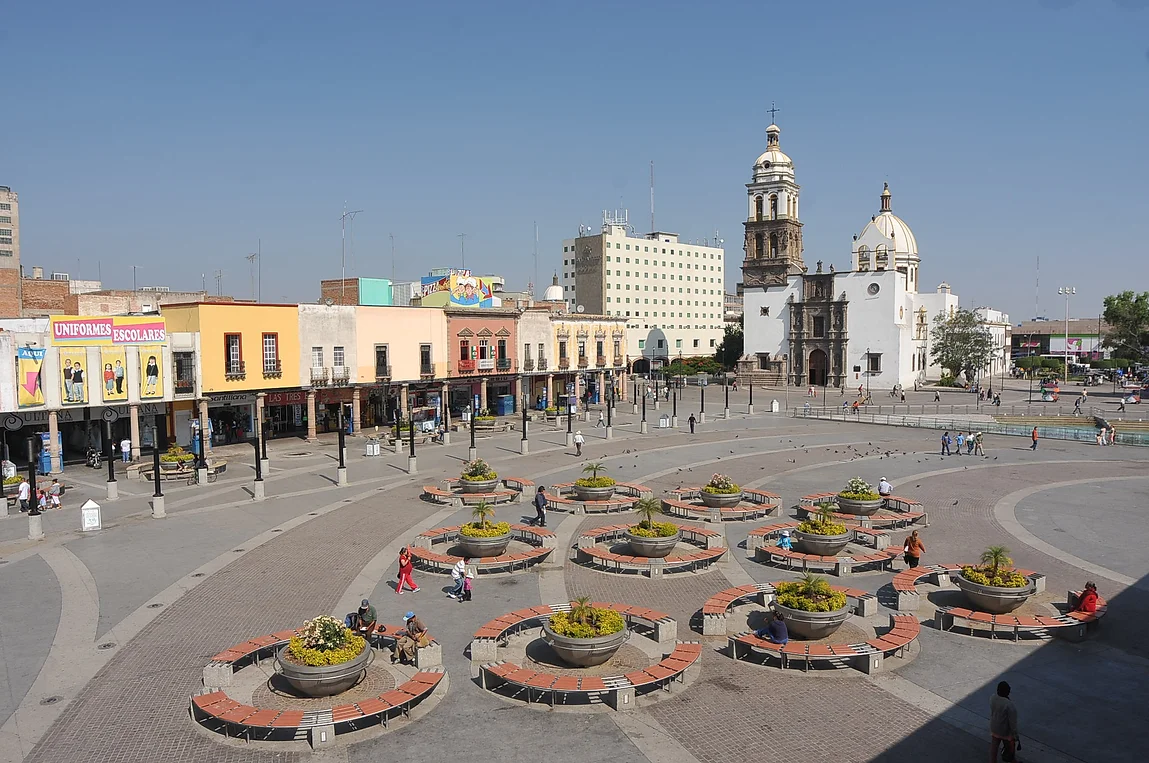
(825, 513)
(581, 610)
(814, 587)
(593, 468)
(996, 557)
(482, 512)
(647, 509)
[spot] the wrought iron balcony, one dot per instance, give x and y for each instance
(273, 367)
(382, 373)
(600, 360)
(236, 369)
(564, 363)
(583, 361)
(503, 364)
(340, 375)
(542, 364)
(529, 364)
(318, 376)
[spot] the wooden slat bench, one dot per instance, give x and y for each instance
(710, 543)
(905, 582)
(755, 505)
(760, 547)
(424, 555)
(716, 609)
(867, 656)
(1071, 625)
(904, 512)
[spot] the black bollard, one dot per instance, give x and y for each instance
(34, 445)
(108, 451)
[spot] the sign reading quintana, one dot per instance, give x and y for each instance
(109, 330)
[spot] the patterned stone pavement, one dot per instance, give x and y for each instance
(135, 707)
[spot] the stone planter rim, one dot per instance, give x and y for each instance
(660, 544)
(596, 646)
(827, 541)
(719, 500)
(478, 486)
(301, 676)
(997, 600)
(499, 542)
(857, 506)
(829, 621)
(593, 493)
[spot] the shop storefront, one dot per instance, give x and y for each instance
(286, 412)
(81, 428)
(332, 406)
(232, 417)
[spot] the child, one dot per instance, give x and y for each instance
(467, 585)
(784, 540)
(44, 501)
(54, 493)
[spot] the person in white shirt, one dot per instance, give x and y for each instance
(578, 442)
(126, 450)
(458, 573)
(24, 494)
(885, 489)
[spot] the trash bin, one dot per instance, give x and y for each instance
(774, 406)
(664, 421)
(372, 447)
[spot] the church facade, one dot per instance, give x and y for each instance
(868, 326)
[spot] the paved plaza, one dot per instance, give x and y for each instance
(104, 635)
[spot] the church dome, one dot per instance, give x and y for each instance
(554, 292)
(892, 227)
(773, 161)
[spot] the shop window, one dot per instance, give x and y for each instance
(425, 366)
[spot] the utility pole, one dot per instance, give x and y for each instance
(251, 258)
(392, 237)
(219, 283)
(134, 277)
(343, 218)
(463, 249)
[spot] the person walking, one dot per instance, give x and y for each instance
(458, 573)
(960, 442)
(1033, 436)
(945, 443)
(1077, 407)
(978, 445)
(541, 506)
(903, 396)
(578, 443)
(468, 586)
(24, 494)
(937, 396)
(969, 444)
(55, 490)
(406, 567)
(691, 421)
(912, 551)
(601, 420)
(1003, 733)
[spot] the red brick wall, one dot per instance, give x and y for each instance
(334, 289)
(9, 293)
(42, 296)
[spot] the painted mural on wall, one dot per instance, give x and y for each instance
(464, 288)
(151, 371)
(29, 384)
(113, 375)
(74, 376)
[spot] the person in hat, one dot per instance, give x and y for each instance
(413, 636)
(885, 489)
(978, 440)
(578, 443)
(784, 540)
(362, 621)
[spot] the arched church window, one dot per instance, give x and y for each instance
(881, 257)
(773, 244)
(757, 207)
(774, 207)
(759, 245)
(863, 258)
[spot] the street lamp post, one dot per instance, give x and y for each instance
(1067, 291)
(472, 452)
(523, 446)
(257, 488)
(609, 404)
(750, 406)
(158, 496)
(674, 406)
(570, 420)
(642, 424)
(412, 463)
(634, 397)
(113, 488)
(702, 403)
(726, 386)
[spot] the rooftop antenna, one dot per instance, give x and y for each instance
(463, 249)
(343, 249)
(251, 258)
(652, 228)
(219, 283)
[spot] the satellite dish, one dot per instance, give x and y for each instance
(329, 301)
(580, 309)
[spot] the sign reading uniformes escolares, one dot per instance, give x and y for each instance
(108, 330)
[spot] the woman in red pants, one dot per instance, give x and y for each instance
(405, 568)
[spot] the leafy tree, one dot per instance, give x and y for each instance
(961, 343)
(730, 350)
(693, 365)
(1127, 314)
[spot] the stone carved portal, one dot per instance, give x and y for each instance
(819, 366)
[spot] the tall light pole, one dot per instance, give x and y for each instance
(343, 218)
(463, 249)
(1067, 291)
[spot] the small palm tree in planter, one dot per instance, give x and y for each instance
(324, 657)
(858, 497)
(720, 492)
(822, 534)
(812, 608)
(478, 477)
(594, 487)
(482, 537)
(651, 538)
(586, 635)
(995, 586)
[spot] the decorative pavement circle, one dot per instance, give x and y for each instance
(606, 549)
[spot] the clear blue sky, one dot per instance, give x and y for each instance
(173, 136)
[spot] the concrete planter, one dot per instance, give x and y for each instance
(720, 500)
(861, 508)
(478, 486)
(994, 599)
(480, 547)
(653, 548)
(813, 625)
(585, 652)
(823, 545)
(324, 680)
(593, 493)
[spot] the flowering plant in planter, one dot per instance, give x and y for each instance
(647, 509)
(857, 489)
(585, 621)
(810, 594)
(823, 522)
(324, 641)
(478, 471)
(594, 480)
(996, 569)
(720, 484)
(482, 526)
(175, 454)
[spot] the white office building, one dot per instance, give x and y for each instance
(670, 291)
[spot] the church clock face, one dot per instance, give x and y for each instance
(873, 289)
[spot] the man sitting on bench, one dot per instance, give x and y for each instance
(363, 620)
(775, 630)
(413, 636)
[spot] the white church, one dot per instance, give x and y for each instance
(869, 326)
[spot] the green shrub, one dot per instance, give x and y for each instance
(585, 621)
(484, 419)
(551, 410)
(949, 381)
(488, 530)
(810, 594)
(646, 529)
(720, 484)
(478, 471)
(1003, 579)
(175, 454)
(822, 523)
(325, 641)
(595, 481)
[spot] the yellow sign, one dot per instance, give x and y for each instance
(114, 374)
(29, 384)
(75, 374)
(151, 371)
(71, 330)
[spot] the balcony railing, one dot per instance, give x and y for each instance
(564, 363)
(528, 364)
(467, 365)
(503, 364)
(600, 360)
(236, 369)
(426, 372)
(583, 361)
(318, 376)
(542, 364)
(273, 367)
(340, 375)
(185, 386)
(382, 373)
(618, 360)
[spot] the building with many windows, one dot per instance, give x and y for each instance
(670, 291)
(10, 286)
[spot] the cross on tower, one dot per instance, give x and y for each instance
(773, 110)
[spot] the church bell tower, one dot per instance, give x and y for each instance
(773, 231)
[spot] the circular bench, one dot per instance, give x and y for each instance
(900, 512)
(214, 709)
(709, 542)
(754, 505)
(626, 495)
(905, 582)
(453, 496)
(760, 547)
(617, 691)
(867, 656)
(544, 542)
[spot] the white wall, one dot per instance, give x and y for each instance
(326, 326)
(874, 323)
(769, 333)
